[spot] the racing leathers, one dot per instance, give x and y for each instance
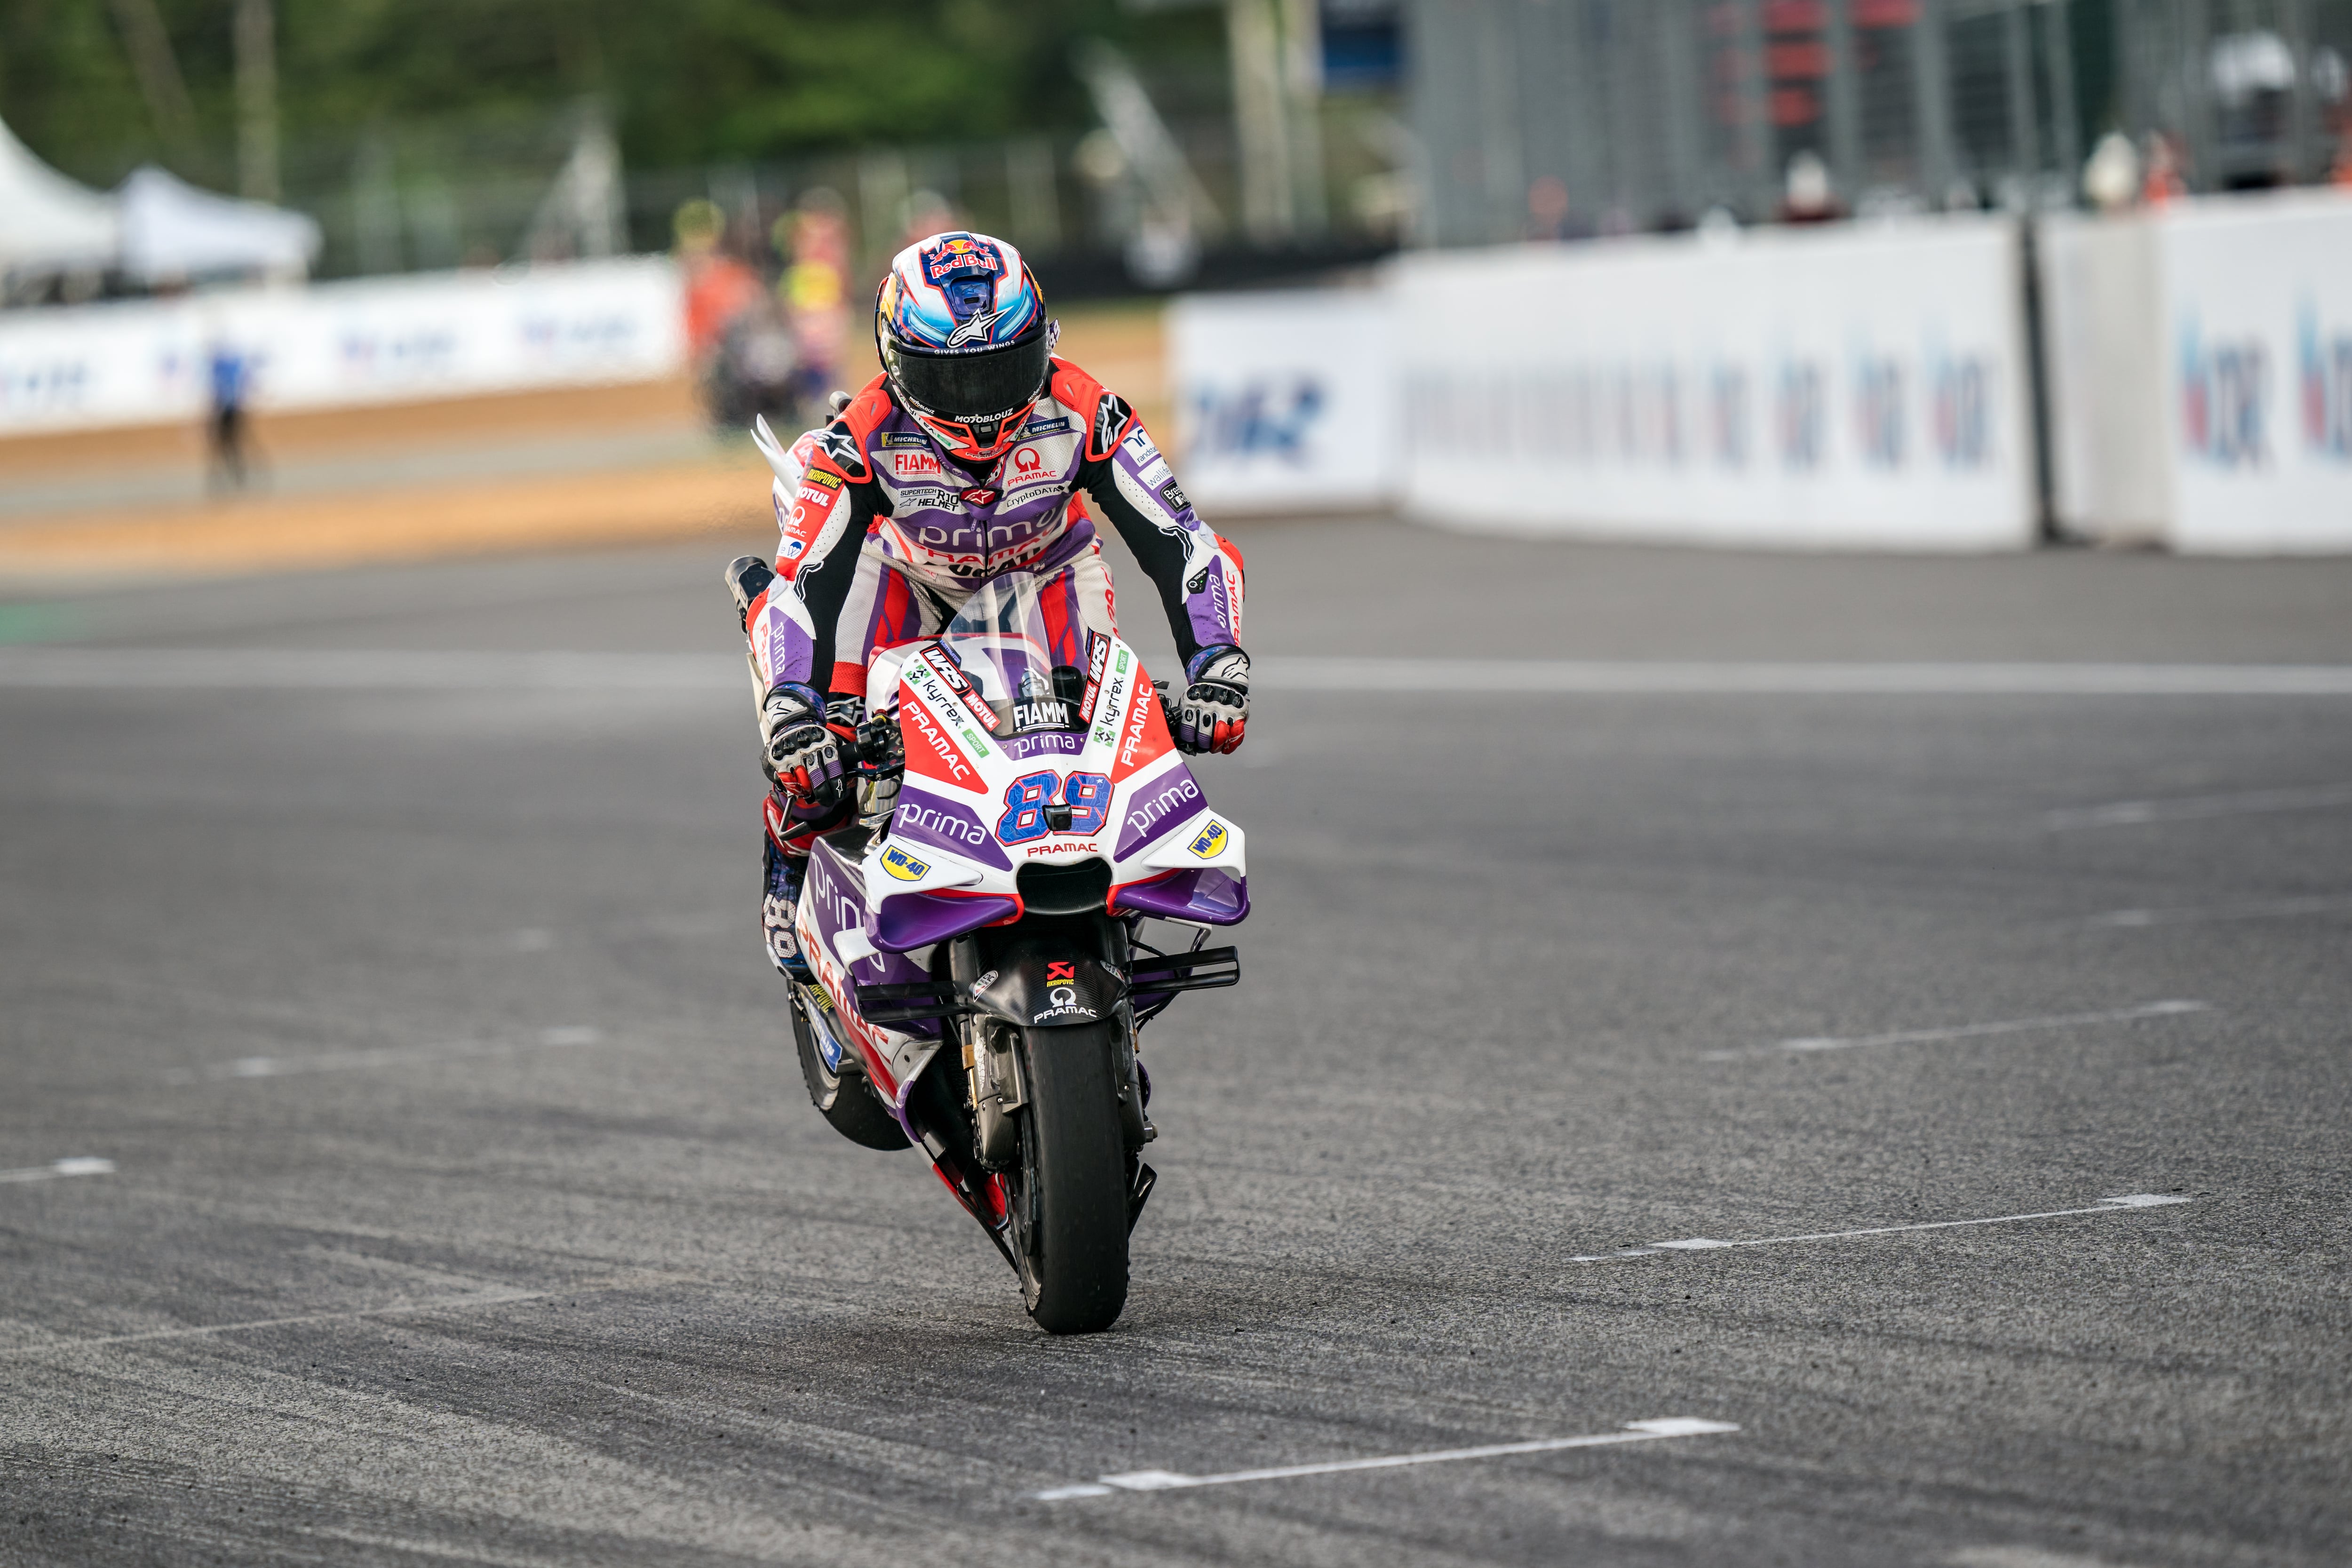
(885, 536)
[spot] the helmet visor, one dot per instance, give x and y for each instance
(993, 385)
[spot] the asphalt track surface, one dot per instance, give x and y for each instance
(464, 1205)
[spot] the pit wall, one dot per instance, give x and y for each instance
(1861, 386)
(377, 340)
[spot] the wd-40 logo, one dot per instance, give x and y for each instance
(2225, 396)
(1211, 841)
(2326, 389)
(903, 865)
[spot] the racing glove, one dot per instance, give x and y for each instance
(803, 756)
(1215, 710)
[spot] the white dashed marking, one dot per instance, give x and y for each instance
(1170, 1480)
(78, 1165)
(2267, 909)
(388, 1055)
(2192, 808)
(1963, 1031)
(1471, 676)
(2122, 1204)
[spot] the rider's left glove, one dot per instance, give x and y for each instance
(803, 756)
(1215, 710)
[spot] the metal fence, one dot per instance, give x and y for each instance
(1568, 117)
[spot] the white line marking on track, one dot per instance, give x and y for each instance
(1468, 677)
(58, 666)
(631, 1280)
(2267, 909)
(78, 1165)
(2190, 808)
(386, 1056)
(1962, 1031)
(346, 669)
(1170, 1480)
(2123, 1204)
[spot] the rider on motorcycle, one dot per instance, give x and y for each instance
(960, 462)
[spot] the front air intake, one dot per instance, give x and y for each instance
(1064, 889)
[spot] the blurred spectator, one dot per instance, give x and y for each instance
(2111, 174)
(815, 290)
(1808, 195)
(928, 213)
(2164, 182)
(1547, 208)
(229, 378)
(719, 290)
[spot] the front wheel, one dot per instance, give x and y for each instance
(1070, 1213)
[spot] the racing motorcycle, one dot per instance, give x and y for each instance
(977, 933)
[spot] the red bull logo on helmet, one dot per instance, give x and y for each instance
(960, 255)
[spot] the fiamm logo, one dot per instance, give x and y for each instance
(2224, 398)
(2326, 387)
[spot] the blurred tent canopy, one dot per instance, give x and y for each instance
(173, 230)
(48, 222)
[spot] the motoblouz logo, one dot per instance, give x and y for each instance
(1274, 417)
(2326, 389)
(2224, 396)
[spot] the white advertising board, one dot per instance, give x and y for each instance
(374, 340)
(2256, 336)
(1286, 402)
(2101, 297)
(1859, 386)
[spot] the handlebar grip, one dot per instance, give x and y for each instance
(748, 577)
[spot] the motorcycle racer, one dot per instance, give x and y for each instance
(963, 461)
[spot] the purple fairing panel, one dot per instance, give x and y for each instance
(927, 818)
(1157, 809)
(1210, 897)
(908, 920)
(837, 903)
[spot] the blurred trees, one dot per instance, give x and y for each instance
(688, 81)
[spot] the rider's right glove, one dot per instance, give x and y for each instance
(802, 755)
(1215, 710)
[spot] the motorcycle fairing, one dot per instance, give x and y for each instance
(831, 926)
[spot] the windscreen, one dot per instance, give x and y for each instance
(1019, 641)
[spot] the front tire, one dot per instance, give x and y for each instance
(1070, 1225)
(846, 1100)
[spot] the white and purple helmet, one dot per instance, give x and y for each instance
(960, 325)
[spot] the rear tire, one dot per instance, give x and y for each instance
(1070, 1225)
(846, 1099)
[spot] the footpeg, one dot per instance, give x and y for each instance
(1138, 1195)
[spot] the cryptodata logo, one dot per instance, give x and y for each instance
(2326, 387)
(2224, 400)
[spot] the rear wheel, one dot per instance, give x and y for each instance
(1070, 1213)
(846, 1099)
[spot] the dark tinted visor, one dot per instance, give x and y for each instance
(975, 387)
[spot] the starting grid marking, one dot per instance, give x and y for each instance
(1169, 1480)
(1962, 1031)
(2123, 1204)
(81, 1165)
